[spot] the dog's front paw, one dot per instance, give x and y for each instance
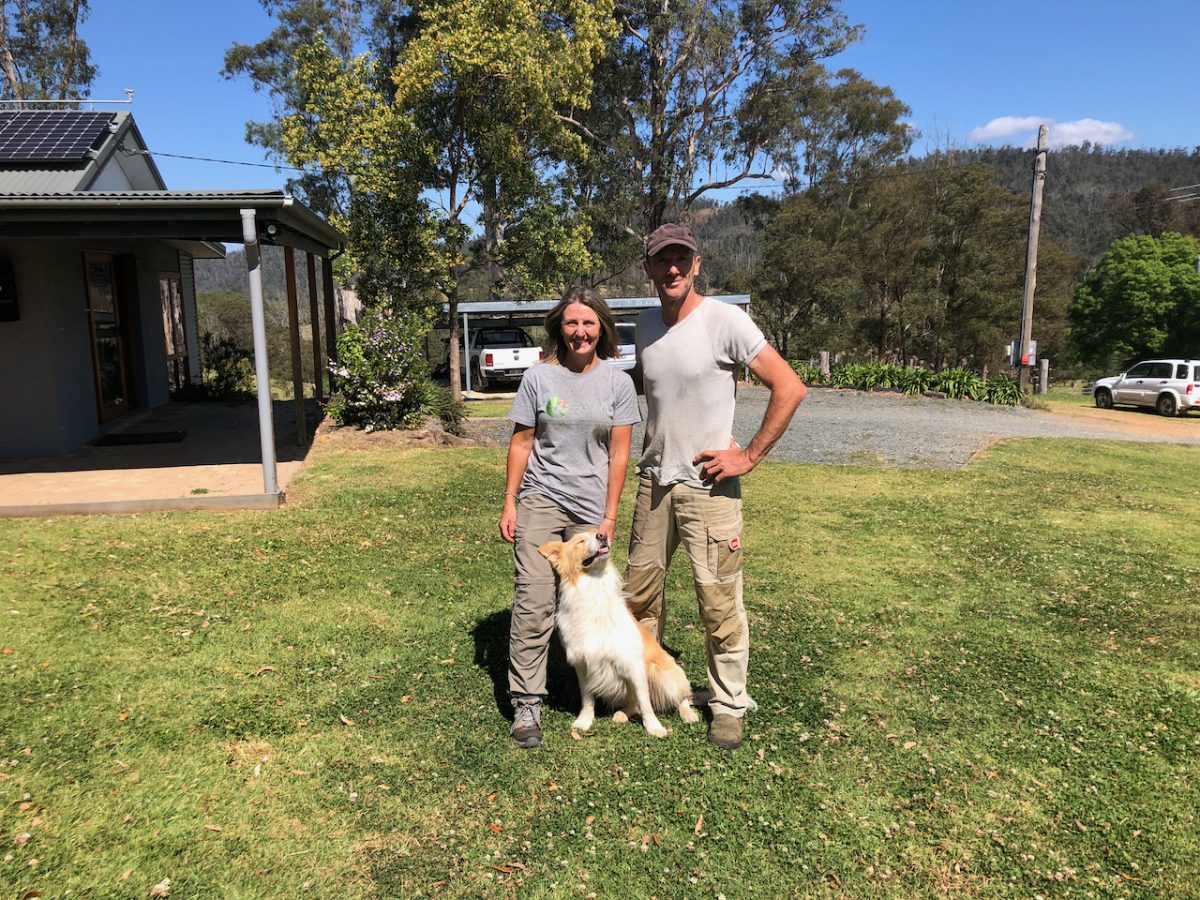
(657, 729)
(620, 717)
(583, 723)
(687, 713)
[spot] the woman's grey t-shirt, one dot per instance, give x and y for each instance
(572, 415)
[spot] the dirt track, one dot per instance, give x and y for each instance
(1134, 421)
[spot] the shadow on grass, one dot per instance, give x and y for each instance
(491, 654)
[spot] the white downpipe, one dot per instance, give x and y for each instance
(262, 377)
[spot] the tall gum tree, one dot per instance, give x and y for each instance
(465, 112)
(42, 55)
(696, 95)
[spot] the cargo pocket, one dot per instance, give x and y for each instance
(724, 550)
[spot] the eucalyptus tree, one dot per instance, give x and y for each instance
(697, 95)
(464, 114)
(42, 55)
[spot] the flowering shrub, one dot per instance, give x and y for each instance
(381, 375)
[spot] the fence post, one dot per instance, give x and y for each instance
(1043, 375)
(825, 363)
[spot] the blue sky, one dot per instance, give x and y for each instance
(972, 71)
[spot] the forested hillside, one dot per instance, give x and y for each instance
(1094, 195)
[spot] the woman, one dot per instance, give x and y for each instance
(573, 418)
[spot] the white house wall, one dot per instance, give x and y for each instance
(47, 380)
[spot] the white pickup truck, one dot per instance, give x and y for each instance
(499, 354)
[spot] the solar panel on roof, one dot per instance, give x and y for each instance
(51, 135)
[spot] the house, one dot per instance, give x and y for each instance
(97, 298)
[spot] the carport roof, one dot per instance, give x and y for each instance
(166, 215)
(616, 304)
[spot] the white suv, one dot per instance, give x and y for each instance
(1171, 386)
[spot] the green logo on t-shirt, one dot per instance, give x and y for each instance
(556, 407)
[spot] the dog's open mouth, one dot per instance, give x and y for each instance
(602, 549)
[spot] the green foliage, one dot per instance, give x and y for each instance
(915, 380)
(440, 402)
(809, 374)
(958, 384)
(925, 264)
(381, 376)
(227, 367)
(1141, 299)
(45, 58)
(1002, 390)
(467, 112)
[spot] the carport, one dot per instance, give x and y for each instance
(193, 218)
(527, 313)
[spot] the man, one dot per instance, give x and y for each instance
(689, 492)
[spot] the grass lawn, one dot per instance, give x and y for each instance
(981, 682)
(488, 409)
(1067, 394)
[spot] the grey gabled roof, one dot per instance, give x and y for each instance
(162, 215)
(60, 177)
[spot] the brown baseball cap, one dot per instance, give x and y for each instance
(666, 235)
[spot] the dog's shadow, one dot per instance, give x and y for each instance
(491, 654)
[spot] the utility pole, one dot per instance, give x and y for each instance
(1031, 252)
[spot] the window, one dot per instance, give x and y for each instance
(170, 293)
(1141, 370)
(1161, 370)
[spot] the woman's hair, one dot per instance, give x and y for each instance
(556, 346)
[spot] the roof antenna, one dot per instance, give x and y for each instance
(22, 103)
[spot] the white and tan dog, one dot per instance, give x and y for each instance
(615, 659)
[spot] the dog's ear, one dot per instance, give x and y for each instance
(552, 550)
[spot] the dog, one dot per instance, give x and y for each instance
(615, 658)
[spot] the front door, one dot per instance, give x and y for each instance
(108, 343)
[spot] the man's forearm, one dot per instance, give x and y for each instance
(780, 409)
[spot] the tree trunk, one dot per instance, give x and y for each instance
(6, 58)
(660, 150)
(456, 390)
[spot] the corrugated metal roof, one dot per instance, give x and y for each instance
(143, 198)
(183, 215)
(35, 179)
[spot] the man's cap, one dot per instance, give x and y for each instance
(666, 235)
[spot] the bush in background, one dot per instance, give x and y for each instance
(381, 373)
(961, 384)
(226, 372)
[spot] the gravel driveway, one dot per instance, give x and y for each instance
(850, 427)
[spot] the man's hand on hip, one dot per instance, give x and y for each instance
(721, 464)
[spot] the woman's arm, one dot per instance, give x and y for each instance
(618, 463)
(520, 445)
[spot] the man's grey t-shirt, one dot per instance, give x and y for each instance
(688, 371)
(572, 415)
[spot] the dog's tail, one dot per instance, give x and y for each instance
(669, 685)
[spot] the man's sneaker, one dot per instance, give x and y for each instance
(725, 731)
(526, 727)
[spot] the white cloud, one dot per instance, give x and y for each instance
(1069, 134)
(1062, 134)
(1005, 126)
